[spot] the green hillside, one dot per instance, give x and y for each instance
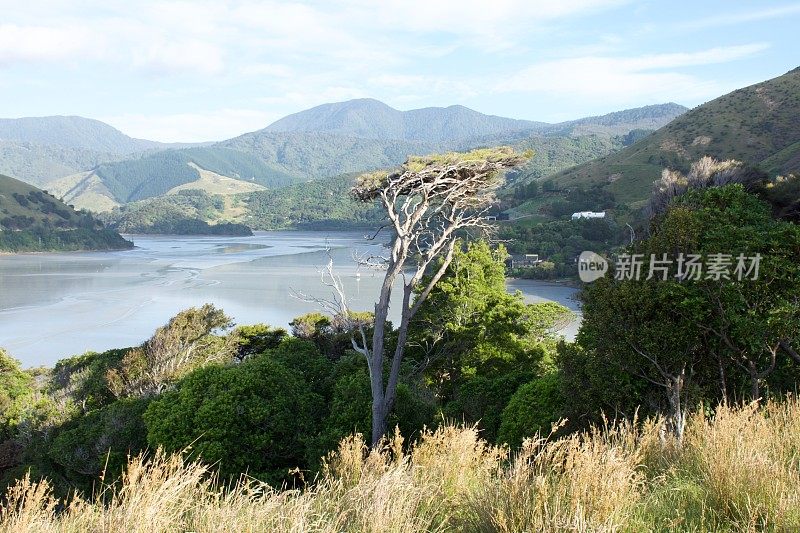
(189, 212)
(37, 164)
(322, 203)
(32, 220)
(556, 153)
(336, 139)
(320, 154)
(757, 124)
(155, 174)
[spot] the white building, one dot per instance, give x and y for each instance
(588, 214)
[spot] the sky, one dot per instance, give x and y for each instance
(210, 70)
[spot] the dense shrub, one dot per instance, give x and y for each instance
(101, 441)
(531, 410)
(256, 417)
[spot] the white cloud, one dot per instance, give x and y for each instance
(490, 26)
(730, 19)
(259, 59)
(275, 70)
(41, 43)
(192, 56)
(648, 78)
(212, 125)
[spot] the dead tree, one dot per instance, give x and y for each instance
(429, 202)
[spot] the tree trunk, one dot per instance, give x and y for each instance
(755, 386)
(676, 417)
(379, 413)
(722, 381)
(379, 407)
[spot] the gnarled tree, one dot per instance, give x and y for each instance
(429, 202)
(185, 343)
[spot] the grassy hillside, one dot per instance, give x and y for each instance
(736, 472)
(187, 212)
(757, 124)
(156, 174)
(33, 220)
(84, 190)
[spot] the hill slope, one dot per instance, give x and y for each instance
(39, 163)
(40, 149)
(373, 119)
(757, 124)
(32, 220)
(356, 136)
(72, 132)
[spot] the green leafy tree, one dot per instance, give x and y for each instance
(186, 342)
(100, 442)
(657, 342)
(475, 343)
(16, 389)
(533, 408)
(255, 417)
(255, 339)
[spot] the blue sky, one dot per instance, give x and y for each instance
(209, 70)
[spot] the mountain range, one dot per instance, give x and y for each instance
(371, 119)
(40, 149)
(92, 165)
(759, 125)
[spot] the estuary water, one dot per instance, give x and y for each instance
(60, 304)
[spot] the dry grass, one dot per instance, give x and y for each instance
(738, 471)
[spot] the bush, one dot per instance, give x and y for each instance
(255, 417)
(102, 440)
(16, 387)
(532, 409)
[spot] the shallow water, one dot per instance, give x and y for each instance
(56, 305)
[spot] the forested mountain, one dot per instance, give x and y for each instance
(758, 125)
(362, 135)
(621, 122)
(40, 149)
(322, 203)
(72, 132)
(37, 164)
(33, 220)
(373, 119)
(322, 154)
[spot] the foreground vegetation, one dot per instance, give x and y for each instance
(736, 471)
(227, 426)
